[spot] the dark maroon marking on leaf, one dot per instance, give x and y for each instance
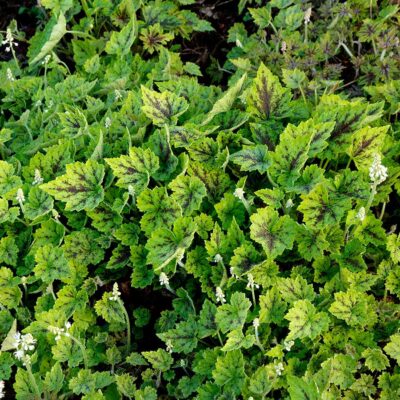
(364, 144)
(344, 128)
(265, 96)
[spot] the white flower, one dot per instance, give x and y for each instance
(289, 203)
(183, 363)
(60, 331)
(239, 193)
(307, 15)
(10, 75)
(131, 190)
(218, 258)
(2, 393)
(220, 295)
(20, 196)
(256, 323)
(164, 281)
(22, 344)
(55, 214)
(361, 214)
(98, 281)
(377, 171)
(239, 43)
(232, 272)
(46, 60)
(37, 178)
(19, 354)
(251, 284)
(283, 47)
(107, 122)
(9, 41)
(116, 294)
(169, 346)
(288, 345)
(279, 369)
(56, 331)
(117, 94)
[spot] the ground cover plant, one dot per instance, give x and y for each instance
(164, 234)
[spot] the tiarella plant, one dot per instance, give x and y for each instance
(165, 238)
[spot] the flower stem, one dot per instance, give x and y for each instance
(128, 325)
(258, 339)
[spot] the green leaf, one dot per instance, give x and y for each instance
(160, 210)
(236, 340)
(160, 360)
(135, 169)
(80, 188)
(393, 347)
(44, 42)
(162, 108)
(233, 315)
(367, 142)
(39, 204)
(266, 97)
(321, 208)
(305, 321)
(184, 337)
(10, 294)
(393, 245)
(340, 368)
(54, 378)
(255, 158)
(110, 310)
(225, 103)
(8, 251)
(120, 43)
(6, 213)
(300, 389)
(229, 371)
(166, 245)
(23, 385)
(260, 382)
(51, 264)
(148, 393)
(83, 248)
(262, 16)
(159, 144)
(272, 307)
(375, 360)
(57, 5)
(8, 181)
(188, 192)
(353, 307)
(294, 78)
(125, 384)
(70, 299)
(274, 233)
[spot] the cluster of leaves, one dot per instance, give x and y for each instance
(319, 45)
(202, 243)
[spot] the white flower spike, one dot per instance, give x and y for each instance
(288, 345)
(239, 193)
(377, 172)
(220, 295)
(20, 196)
(361, 214)
(116, 294)
(164, 281)
(279, 369)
